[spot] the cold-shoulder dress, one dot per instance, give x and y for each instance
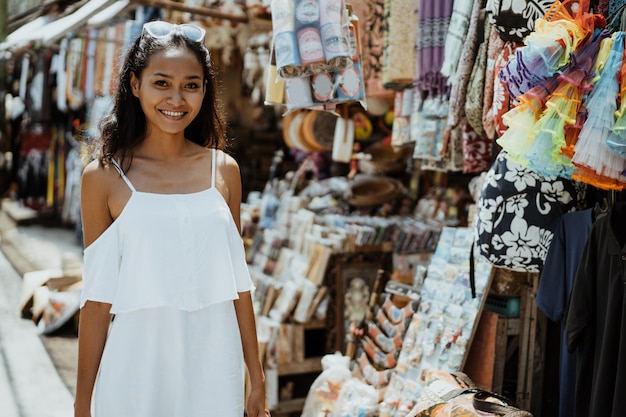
(170, 266)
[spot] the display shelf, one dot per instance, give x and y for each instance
(303, 367)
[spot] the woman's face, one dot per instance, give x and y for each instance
(170, 90)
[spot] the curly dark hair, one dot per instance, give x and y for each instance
(125, 127)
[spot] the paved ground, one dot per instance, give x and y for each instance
(37, 373)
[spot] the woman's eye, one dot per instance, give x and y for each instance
(161, 83)
(193, 86)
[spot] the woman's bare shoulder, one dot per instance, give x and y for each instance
(97, 174)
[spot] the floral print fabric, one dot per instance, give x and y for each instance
(517, 212)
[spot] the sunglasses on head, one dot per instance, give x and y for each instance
(160, 29)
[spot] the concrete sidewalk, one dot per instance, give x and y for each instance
(30, 385)
(31, 382)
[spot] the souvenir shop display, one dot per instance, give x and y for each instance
(448, 393)
(396, 346)
(359, 128)
(318, 54)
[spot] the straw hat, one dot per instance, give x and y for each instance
(372, 190)
(318, 130)
(384, 159)
(292, 130)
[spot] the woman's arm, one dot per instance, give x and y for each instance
(92, 332)
(257, 401)
(94, 317)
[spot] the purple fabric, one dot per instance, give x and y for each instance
(434, 19)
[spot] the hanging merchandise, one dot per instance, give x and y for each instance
(555, 286)
(285, 43)
(24, 76)
(538, 144)
(61, 77)
(101, 63)
(495, 45)
(502, 100)
(90, 58)
(309, 40)
(343, 141)
(335, 42)
(402, 109)
(457, 31)
(430, 135)
(438, 334)
(370, 34)
(74, 88)
(515, 19)
(477, 149)
(595, 163)
(274, 85)
(461, 78)
(434, 20)
(617, 137)
(474, 100)
(594, 324)
(324, 90)
(450, 158)
(309, 37)
(517, 212)
(521, 119)
(399, 56)
(545, 50)
(39, 98)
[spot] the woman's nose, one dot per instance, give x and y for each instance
(176, 96)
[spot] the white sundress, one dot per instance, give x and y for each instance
(170, 266)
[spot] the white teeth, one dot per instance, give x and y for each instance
(173, 113)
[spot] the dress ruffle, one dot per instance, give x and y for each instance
(617, 139)
(191, 258)
(546, 50)
(594, 159)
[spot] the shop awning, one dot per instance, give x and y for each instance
(107, 14)
(55, 30)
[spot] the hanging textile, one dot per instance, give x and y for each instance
(555, 286)
(595, 162)
(455, 38)
(596, 319)
(494, 46)
(371, 31)
(61, 76)
(90, 58)
(474, 100)
(24, 76)
(74, 92)
(543, 152)
(434, 20)
(515, 19)
(39, 99)
(400, 37)
(464, 68)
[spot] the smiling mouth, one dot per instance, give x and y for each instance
(173, 113)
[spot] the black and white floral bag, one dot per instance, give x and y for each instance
(517, 212)
(515, 19)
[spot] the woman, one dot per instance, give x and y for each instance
(163, 255)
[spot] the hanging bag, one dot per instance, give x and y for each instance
(454, 394)
(515, 19)
(517, 212)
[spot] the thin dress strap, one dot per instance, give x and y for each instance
(213, 169)
(124, 177)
